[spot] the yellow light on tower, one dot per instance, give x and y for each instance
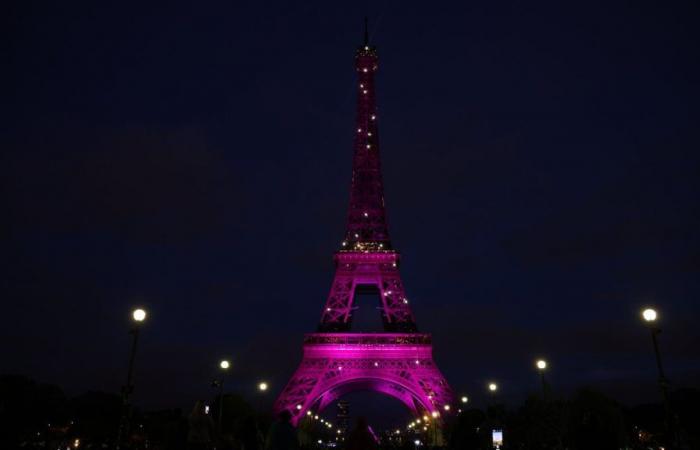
(541, 364)
(224, 364)
(493, 387)
(464, 399)
(139, 315)
(262, 386)
(649, 315)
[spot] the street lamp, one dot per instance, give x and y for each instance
(650, 316)
(541, 365)
(138, 316)
(262, 386)
(493, 389)
(224, 365)
(464, 399)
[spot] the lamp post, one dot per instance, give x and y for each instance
(492, 415)
(464, 400)
(138, 316)
(650, 316)
(541, 365)
(224, 365)
(493, 388)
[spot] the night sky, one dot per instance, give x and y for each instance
(541, 166)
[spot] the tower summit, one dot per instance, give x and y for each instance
(366, 223)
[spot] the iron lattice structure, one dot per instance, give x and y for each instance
(336, 361)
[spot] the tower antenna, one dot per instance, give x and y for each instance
(366, 33)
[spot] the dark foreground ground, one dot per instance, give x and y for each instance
(38, 416)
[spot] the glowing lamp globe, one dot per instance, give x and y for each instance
(464, 399)
(262, 386)
(224, 364)
(139, 315)
(541, 364)
(493, 387)
(649, 315)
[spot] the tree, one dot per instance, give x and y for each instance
(464, 433)
(539, 424)
(595, 421)
(27, 407)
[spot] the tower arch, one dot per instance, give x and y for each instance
(384, 385)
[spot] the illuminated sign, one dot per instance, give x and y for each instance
(497, 437)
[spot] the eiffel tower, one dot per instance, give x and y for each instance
(397, 362)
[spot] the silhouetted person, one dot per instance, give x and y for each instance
(201, 428)
(282, 435)
(248, 434)
(361, 438)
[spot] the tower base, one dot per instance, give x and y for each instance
(396, 364)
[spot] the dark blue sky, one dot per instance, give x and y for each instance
(541, 170)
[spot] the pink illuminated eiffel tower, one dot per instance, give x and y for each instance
(397, 362)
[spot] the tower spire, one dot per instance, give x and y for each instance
(366, 224)
(366, 33)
